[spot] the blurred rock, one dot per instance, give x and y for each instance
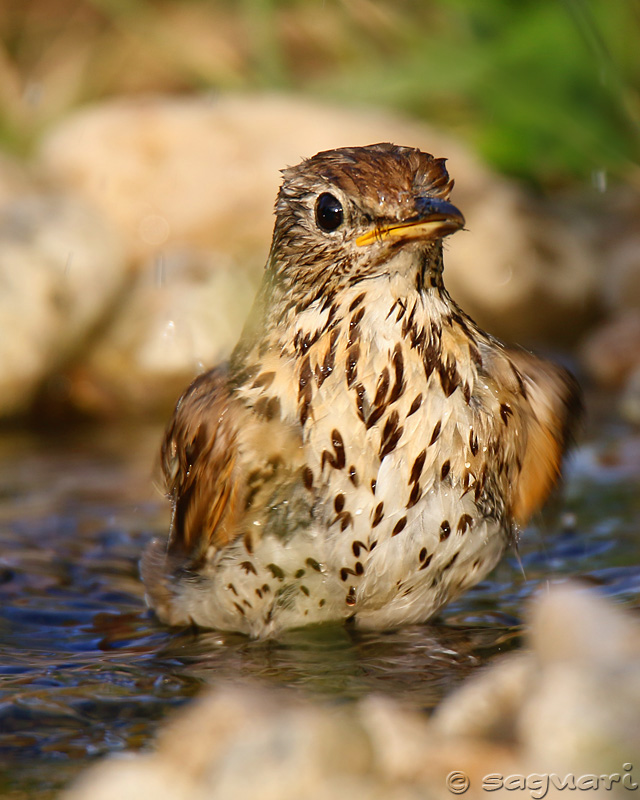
(14, 180)
(630, 400)
(203, 173)
(623, 271)
(568, 705)
(61, 268)
(182, 314)
(611, 356)
(611, 353)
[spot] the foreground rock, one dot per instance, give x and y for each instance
(203, 173)
(564, 710)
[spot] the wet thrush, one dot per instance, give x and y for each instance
(368, 452)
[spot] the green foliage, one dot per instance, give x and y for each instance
(545, 89)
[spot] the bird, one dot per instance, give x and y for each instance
(367, 453)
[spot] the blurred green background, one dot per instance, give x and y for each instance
(547, 90)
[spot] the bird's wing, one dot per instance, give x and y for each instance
(554, 397)
(200, 462)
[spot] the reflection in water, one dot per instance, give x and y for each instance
(85, 670)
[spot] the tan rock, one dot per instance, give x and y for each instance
(583, 713)
(611, 353)
(569, 705)
(203, 172)
(15, 180)
(61, 268)
(182, 313)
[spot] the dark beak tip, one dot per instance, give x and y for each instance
(438, 209)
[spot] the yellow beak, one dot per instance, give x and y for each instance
(435, 219)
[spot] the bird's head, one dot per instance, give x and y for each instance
(359, 212)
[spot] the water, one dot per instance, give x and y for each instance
(85, 669)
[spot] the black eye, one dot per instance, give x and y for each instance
(329, 213)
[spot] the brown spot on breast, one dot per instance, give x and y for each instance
(391, 434)
(357, 546)
(307, 478)
(415, 405)
(360, 395)
(337, 459)
(304, 411)
(356, 319)
(445, 530)
(304, 590)
(449, 377)
(505, 412)
(305, 377)
(267, 407)
(444, 471)
(373, 486)
(345, 520)
(416, 469)
(473, 442)
(248, 567)
(356, 302)
(351, 364)
(418, 336)
(432, 350)
(408, 323)
(480, 484)
(398, 368)
(382, 387)
(353, 475)
(248, 543)
(311, 562)
(375, 416)
(329, 361)
(427, 561)
(299, 573)
(338, 446)
(399, 526)
(264, 380)
(415, 495)
(345, 572)
(276, 571)
(378, 515)
(450, 562)
(464, 522)
(350, 599)
(338, 502)
(435, 433)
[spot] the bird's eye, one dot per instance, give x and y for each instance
(329, 213)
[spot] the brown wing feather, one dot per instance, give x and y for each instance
(199, 459)
(555, 399)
